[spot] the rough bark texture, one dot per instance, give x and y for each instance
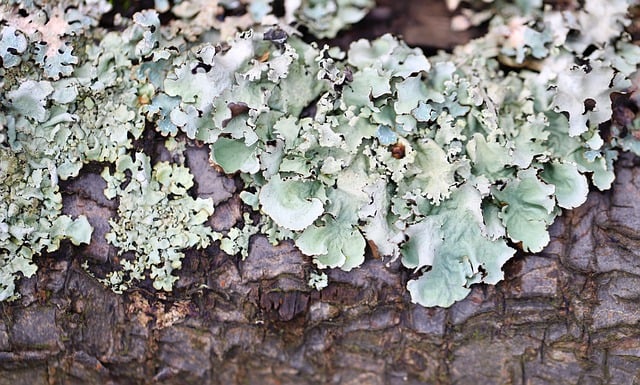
(569, 315)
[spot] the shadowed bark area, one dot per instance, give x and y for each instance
(568, 315)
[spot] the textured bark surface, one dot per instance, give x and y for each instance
(569, 315)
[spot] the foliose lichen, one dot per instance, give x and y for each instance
(446, 162)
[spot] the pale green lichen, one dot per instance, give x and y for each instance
(157, 220)
(30, 217)
(325, 18)
(36, 106)
(440, 161)
(318, 281)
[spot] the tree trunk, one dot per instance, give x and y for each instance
(569, 315)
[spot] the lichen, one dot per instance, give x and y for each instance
(157, 220)
(445, 162)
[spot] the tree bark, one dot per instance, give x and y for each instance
(568, 315)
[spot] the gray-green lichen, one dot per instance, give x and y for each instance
(30, 216)
(444, 162)
(156, 220)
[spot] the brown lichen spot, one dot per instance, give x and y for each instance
(397, 150)
(264, 57)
